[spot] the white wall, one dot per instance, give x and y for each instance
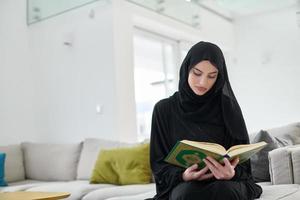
(49, 91)
(266, 72)
(17, 115)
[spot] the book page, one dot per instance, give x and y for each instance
(212, 147)
(243, 148)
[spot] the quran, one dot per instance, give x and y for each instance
(186, 152)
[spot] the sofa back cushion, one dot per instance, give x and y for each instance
(289, 132)
(275, 137)
(14, 168)
(51, 162)
(90, 150)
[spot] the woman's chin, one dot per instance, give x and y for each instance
(199, 93)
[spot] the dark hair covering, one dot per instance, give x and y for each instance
(202, 108)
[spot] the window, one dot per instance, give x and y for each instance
(156, 70)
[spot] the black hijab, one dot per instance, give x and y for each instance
(219, 99)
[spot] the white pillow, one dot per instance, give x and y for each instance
(14, 168)
(51, 162)
(90, 150)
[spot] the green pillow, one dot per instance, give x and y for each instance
(121, 166)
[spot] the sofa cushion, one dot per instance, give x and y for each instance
(77, 189)
(271, 192)
(103, 194)
(21, 185)
(280, 166)
(2, 166)
(289, 132)
(123, 166)
(91, 148)
(259, 161)
(275, 137)
(144, 195)
(51, 162)
(14, 168)
(295, 154)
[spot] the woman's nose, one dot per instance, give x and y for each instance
(203, 81)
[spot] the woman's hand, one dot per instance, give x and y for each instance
(219, 171)
(193, 173)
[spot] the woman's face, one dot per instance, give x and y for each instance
(202, 77)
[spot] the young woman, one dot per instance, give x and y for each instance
(204, 109)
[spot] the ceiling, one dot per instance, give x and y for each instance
(239, 8)
(189, 11)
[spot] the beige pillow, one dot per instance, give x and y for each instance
(14, 168)
(51, 162)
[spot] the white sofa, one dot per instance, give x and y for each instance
(67, 168)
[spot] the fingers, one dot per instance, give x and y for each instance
(201, 175)
(235, 162)
(192, 173)
(192, 168)
(227, 163)
(202, 171)
(214, 162)
(215, 171)
(206, 176)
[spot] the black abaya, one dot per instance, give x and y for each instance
(212, 117)
(167, 129)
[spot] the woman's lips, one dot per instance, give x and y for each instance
(201, 89)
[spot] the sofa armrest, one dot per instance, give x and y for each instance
(283, 164)
(280, 166)
(295, 155)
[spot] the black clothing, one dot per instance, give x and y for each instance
(212, 117)
(231, 190)
(167, 129)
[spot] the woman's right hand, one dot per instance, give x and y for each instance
(192, 173)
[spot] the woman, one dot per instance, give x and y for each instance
(204, 109)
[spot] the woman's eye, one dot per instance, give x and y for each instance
(197, 74)
(212, 77)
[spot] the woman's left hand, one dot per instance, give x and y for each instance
(221, 172)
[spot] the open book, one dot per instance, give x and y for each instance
(186, 153)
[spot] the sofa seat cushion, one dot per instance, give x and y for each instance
(77, 189)
(124, 190)
(271, 192)
(21, 185)
(144, 195)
